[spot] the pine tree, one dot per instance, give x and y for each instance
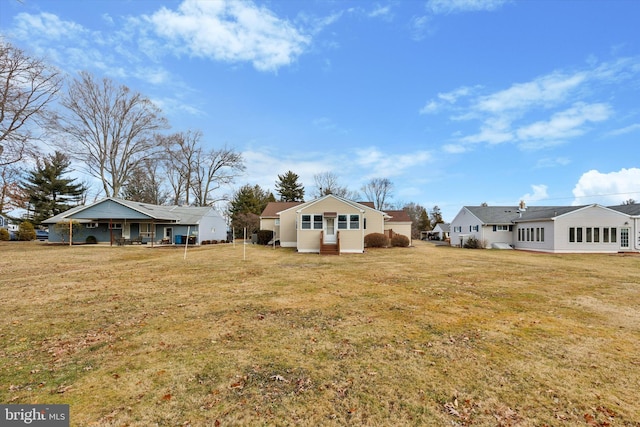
(49, 193)
(289, 188)
(247, 205)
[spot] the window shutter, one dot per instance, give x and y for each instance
(495, 228)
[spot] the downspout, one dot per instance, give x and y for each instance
(362, 228)
(636, 233)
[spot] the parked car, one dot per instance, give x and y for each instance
(42, 235)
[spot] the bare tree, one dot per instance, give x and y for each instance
(110, 129)
(328, 183)
(181, 151)
(378, 190)
(27, 87)
(214, 169)
(12, 196)
(146, 184)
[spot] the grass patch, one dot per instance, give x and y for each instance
(404, 336)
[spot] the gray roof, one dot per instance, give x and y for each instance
(510, 214)
(182, 214)
(444, 226)
(633, 209)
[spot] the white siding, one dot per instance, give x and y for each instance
(590, 217)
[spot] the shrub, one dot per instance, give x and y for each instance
(376, 240)
(4, 234)
(91, 240)
(264, 236)
(473, 243)
(26, 232)
(400, 241)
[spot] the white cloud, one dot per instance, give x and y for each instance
(445, 99)
(552, 162)
(565, 124)
(389, 164)
(455, 148)
(628, 129)
(607, 188)
(539, 193)
(456, 6)
(547, 111)
(544, 91)
(380, 11)
(232, 32)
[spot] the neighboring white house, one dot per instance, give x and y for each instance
(558, 229)
(441, 231)
(116, 220)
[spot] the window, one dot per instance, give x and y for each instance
(306, 222)
(605, 235)
(277, 222)
(342, 222)
(317, 222)
(579, 234)
(528, 234)
(596, 235)
(537, 234)
(614, 234)
(542, 234)
(502, 228)
(589, 234)
(116, 226)
(92, 225)
(457, 229)
(476, 228)
(354, 222)
(572, 234)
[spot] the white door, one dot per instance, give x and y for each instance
(330, 230)
(624, 238)
(126, 231)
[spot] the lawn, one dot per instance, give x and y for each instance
(406, 336)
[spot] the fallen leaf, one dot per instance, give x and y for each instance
(167, 396)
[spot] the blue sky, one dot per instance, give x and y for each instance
(457, 102)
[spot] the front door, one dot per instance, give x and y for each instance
(624, 238)
(330, 230)
(126, 231)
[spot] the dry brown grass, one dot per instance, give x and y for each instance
(404, 336)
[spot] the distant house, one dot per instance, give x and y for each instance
(441, 231)
(121, 221)
(330, 224)
(557, 229)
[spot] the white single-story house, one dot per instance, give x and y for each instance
(558, 229)
(114, 220)
(330, 224)
(441, 230)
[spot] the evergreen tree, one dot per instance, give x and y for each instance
(424, 224)
(48, 192)
(145, 185)
(247, 205)
(289, 188)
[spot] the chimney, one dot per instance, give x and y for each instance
(523, 207)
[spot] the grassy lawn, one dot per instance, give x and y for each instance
(406, 336)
